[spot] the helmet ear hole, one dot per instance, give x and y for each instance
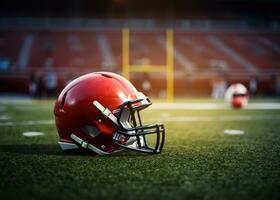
(91, 130)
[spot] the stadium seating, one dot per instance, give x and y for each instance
(89, 49)
(10, 45)
(256, 48)
(195, 52)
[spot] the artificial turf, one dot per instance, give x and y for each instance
(198, 162)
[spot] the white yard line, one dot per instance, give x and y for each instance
(166, 119)
(5, 117)
(33, 134)
(176, 106)
(31, 108)
(218, 118)
(27, 123)
(16, 101)
(212, 106)
(234, 132)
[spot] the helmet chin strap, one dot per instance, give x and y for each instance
(106, 112)
(86, 145)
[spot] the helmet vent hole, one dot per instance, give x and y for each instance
(106, 75)
(92, 131)
(63, 101)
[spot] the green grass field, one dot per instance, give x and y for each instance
(199, 161)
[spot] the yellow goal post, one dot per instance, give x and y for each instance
(168, 68)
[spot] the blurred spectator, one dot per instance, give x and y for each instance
(146, 84)
(273, 84)
(48, 46)
(4, 64)
(48, 63)
(50, 82)
(253, 86)
(189, 81)
(40, 85)
(219, 87)
(32, 86)
(278, 85)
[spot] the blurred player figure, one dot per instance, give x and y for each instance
(219, 87)
(36, 84)
(50, 83)
(32, 85)
(253, 86)
(38, 78)
(146, 84)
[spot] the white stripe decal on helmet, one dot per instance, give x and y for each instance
(106, 112)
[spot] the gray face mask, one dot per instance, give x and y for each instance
(132, 134)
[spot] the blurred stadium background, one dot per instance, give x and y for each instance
(180, 50)
(49, 43)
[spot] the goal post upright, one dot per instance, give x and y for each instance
(169, 65)
(125, 53)
(168, 68)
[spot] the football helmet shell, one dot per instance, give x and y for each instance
(100, 112)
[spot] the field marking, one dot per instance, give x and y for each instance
(212, 106)
(219, 118)
(234, 132)
(32, 134)
(166, 119)
(31, 107)
(16, 101)
(27, 123)
(28, 106)
(5, 117)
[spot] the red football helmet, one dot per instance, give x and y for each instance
(100, 112)
(237, 95)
